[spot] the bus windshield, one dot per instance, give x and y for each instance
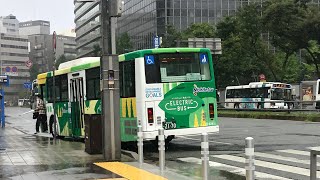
(177, 67)
(281, 94)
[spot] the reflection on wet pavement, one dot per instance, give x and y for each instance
(27, 156)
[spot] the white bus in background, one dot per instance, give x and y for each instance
(258, 95)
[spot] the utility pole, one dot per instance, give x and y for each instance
(54, 45)
(109, 69)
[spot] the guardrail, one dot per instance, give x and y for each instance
(313, 163)
(256, 106)
(205, 154)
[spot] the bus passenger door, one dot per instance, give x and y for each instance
(77, 106)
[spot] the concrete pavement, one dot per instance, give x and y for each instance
(24, 155)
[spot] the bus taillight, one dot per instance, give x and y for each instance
(150, 115)
(211, 110)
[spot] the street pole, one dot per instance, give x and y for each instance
(110, 85)
(54, 43)
(2, 116)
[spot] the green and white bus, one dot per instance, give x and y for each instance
(173, 88)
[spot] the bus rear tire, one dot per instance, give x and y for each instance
(259, 106)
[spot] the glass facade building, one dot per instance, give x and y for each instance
(144, 19)
(87, 20)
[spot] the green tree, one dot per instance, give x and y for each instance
(124, 43)
(171, 37)
(60, 60)
(283, 20)
(294, 25)
(311, 31)
(199, 30)
(245, 54)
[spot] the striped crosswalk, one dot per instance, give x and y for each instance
(278, 164)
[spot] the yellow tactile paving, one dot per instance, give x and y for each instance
(114, 179)
(129, 172)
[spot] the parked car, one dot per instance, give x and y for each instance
(23, 102)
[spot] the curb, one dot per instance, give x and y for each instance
(130, 154)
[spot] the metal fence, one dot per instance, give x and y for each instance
(256, 106)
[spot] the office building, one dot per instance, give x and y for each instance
(144, 19)
(34, 27)
(87, 20)
(41, 48)
(9, 25)
(13, 57)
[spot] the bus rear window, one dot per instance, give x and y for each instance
(177, 67)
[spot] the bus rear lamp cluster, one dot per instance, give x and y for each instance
(211, 110)
(150, 116)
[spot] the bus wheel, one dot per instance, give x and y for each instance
(51, 128)
(51, 122)
(169, 139)
(155, 144)
(131, 146)
(259, 106)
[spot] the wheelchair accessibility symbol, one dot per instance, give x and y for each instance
(149, 60)
(203, 58)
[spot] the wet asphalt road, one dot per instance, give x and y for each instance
(24, 155)
(269, 137)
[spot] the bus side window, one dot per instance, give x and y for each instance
(229, 93)
(127, 79)
(50, 89)
(152, 71)
(93, 83)
(237, 93)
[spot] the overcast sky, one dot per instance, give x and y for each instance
(58, 12)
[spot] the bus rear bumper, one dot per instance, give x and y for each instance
(151, 135)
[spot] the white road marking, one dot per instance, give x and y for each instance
(195, 139)
(297, 152)
(281, 167)
(232, 169)
(283, 158)
(316, 147)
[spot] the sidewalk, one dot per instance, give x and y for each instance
(24, 155)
